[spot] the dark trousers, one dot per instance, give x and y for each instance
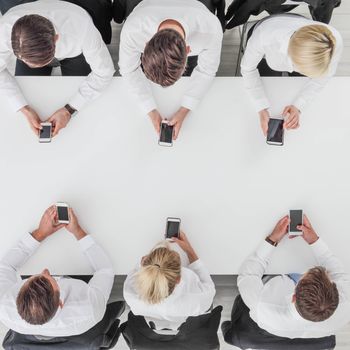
(104, 335)
(75, 66)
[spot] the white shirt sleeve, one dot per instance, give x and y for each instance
(101, 283)
(205, 286)
(9, 86)
(204, 73)
(102, 69)
(13, 260)
(249, 281)
(130, 69)
(331, 263)
(254, 53)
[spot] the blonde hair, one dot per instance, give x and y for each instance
(311, 49)
(159, 274)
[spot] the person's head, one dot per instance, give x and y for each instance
(316, 296)
(38, 299)
(34, 40)
(165, 55)
(311, 49)
(159, 274)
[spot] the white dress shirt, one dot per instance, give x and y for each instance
(203, 34)
(84, 304)
(77, 35)
(270, 40)
(271, 304)
(193, 296)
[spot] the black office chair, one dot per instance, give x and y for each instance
(103, 335)
(99, 10)
(239, 11)
(123, 8)
(197, 333)
(244, 333)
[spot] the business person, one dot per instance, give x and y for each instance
(290, 43)
(158, 40)
(165, 291)
(50, 306)
(44, 34)
(313, 305)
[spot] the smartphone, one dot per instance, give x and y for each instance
(45, 133)
(296, 219)
(166, 134)
(275, 132)
(172, 228)
(62, 213)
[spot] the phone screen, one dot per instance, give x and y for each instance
(296, 219)
(45, 132)
(275, 131)
(166, 133)
(172, 229)
(62, 213)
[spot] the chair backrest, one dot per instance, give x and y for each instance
(104, 335)
(197, 333)
(246, 334)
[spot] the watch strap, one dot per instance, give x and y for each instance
(72, 111)
(268, 240)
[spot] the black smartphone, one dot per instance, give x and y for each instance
(45, 133)
(62, 213)
(172, 227)
(275, 132)
(166, 134)
(296, 219)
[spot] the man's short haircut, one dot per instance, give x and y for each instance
(37, 302)
(33, 40)
(164, 58)
(317, 296)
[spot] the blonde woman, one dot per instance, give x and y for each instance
(165, 291)
(294, 44)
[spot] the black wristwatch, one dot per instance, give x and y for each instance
(268, 240)
(71, 110)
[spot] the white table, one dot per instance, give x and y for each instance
(226, 184)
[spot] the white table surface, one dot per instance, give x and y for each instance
(226, 184)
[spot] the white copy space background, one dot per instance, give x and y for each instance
(226, 184)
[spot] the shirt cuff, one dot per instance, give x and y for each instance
(196, 265)
(17, 103)
(189, 102)
(319, 247)
(86, 242)
(77, 102)
(30, 242)
(148, 106)
(300, 103)
(261, 104)
(265, 250)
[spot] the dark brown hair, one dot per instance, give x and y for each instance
(164, 57)
(37, 302)
(317, 296)
(33, 40)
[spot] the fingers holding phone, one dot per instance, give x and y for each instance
(308, 232)
(156, 120)
(74, 226)
(264, 120)
(186, 246)
(32, 118)
(292, 115)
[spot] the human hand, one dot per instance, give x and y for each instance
(48, 225)
(156, 120)
(264, 120)
(73, 226)
(292, 115)
(185, 245)
(32, 118)
(177, 120)
(280, 229)
(59, 120)
(309, 234)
